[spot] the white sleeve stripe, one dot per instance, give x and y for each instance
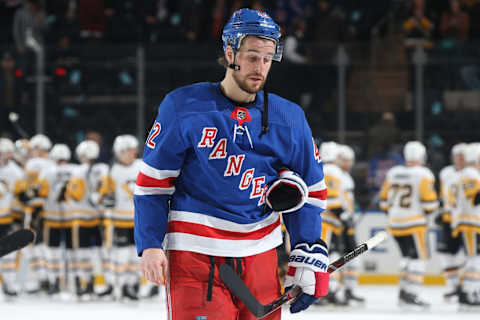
(143, 191)
(156, 173)
(318, 186)
(318, 203)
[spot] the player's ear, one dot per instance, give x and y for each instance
(229, 55)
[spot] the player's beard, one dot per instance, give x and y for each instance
(242, 83)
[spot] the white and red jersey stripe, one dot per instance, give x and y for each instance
(151, 181)
(198, 232)
(317, 194)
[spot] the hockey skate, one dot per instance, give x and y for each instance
(54, 288)
(332, 299)
(351, 297)
(9, 293)
(84, 293)
(129, 293)
(468, 302)
(452, 296)
(107, 294)
(411, 301)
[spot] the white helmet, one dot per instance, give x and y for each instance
(329, 151)
(459, 149)
(60, 151)
(124, 142)
(346, 152)
(472, 153)
(415, 151)
(88, 149)
(40, 141)
(6, 145)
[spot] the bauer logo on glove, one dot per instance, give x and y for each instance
(288, 193)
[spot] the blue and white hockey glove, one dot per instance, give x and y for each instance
(307, 268)
(288, 193)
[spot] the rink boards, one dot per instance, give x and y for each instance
(381, 265)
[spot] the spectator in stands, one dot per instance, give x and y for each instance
(105, 152)
(418, 28)
(454, 28)
(294, 50)
(130, 20)
(455, 23)
(381, 140)
(28, 19)
(65, 23)
(92, 18)
(328, 28)
(193, 15)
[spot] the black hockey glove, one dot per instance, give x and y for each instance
(28, 195)
(288, 193)
(108, 201)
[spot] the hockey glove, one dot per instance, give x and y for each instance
(288, 193)
(307, 268)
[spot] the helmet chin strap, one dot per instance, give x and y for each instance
(232, 65)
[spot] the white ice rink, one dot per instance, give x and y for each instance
(381, 305)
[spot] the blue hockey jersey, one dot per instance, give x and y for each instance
(206, 167)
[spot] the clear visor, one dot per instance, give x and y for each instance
(277, 56)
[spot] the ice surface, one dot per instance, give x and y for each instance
(381, 305)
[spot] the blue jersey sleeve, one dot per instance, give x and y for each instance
(163, 157)
(305, 225)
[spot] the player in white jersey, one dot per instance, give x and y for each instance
(408, 195)
(466, 225)
(82, 215)
(32, 194)
(345, 160)
(122, 271)
(448, 246)
(10, 174)
(332, 225)
(54, 229)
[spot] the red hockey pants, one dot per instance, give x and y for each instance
(187, 288)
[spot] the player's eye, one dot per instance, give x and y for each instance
(253, 57)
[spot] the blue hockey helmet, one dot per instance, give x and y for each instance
(246, 22)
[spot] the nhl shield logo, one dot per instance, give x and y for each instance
(241, 114)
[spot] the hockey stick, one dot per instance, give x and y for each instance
(241, 291)
(16, 240)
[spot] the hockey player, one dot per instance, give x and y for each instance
(345, 160)
(200, 195)
(10, 174)
(466, 225)
(449, 246)
(408, 195)
(54, 229)
(32, 195)
(83, 216)
(332, 224)
(122, 271)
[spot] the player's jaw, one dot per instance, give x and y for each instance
(250, 83)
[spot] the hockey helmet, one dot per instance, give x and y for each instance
(329, 151)
(346, 152)
(246, 22)
(415, 151)
(6, 145)
(88, 149)
(60, 151)
(40, 141)
(124, 142)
